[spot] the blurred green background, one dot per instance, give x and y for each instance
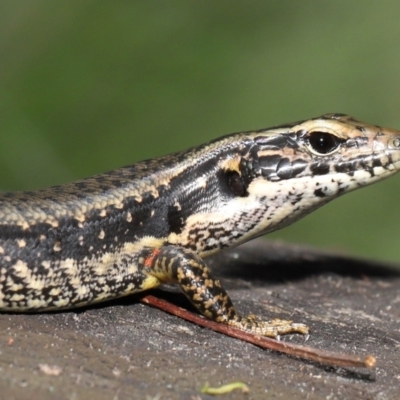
(87, 86)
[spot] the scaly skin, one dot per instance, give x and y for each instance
(134, 228)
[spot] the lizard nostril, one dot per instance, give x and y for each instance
(394, 143)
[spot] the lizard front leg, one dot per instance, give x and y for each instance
(174, 264)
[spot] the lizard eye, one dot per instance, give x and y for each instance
(323, 142)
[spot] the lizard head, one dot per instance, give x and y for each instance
(296, 168)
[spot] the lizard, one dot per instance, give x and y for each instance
(154, 222)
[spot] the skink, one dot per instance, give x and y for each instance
(136, 227)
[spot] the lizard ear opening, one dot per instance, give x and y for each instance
(236, 184)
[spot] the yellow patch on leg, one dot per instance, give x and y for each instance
(150, 282)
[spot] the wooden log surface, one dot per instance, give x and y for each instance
(124, 349)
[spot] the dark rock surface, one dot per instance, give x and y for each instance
(126, 350)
